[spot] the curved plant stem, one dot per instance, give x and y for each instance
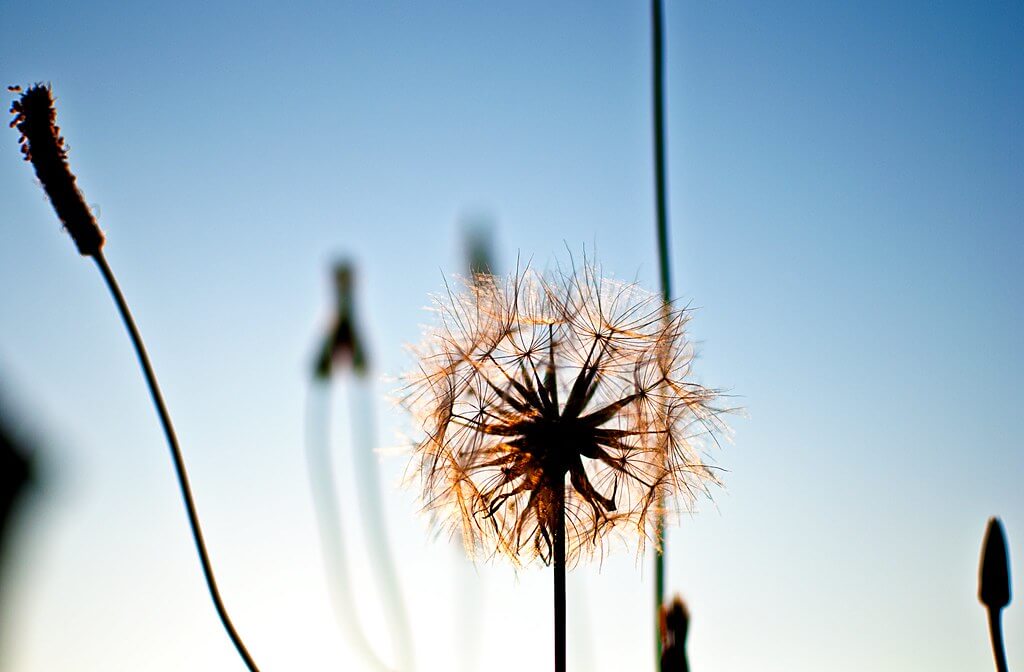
(995, 631)
(559, 553)
(179, 462)
(332, 538)
(372, 508)
(661, 201)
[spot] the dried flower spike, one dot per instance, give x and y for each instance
(41, 143)
(534, 391)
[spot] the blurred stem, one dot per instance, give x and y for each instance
(559, 552)
(470, 591)
(179, 462)
(661, 201)
(325, 506)
(372, 508)
(995, 630)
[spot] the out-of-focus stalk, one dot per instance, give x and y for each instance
(329, 522)
(371, 503)
(344, 344)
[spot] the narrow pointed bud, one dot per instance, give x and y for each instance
(343, 342)
(994, 572)
(41, 143)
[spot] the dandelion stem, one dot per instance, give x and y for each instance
(661, 200)
(179, 462)
(559, 561)
(995, 630)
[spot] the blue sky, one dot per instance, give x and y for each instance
(845, 200)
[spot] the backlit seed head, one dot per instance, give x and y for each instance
(535, 388)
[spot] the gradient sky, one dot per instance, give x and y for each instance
(846, 207)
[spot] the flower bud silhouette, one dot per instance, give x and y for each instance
(994, 586)
(675, 623)
(342, 342)
(994, 574)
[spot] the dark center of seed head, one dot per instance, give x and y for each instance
(558, 443)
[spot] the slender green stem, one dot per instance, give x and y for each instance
(995, 630)
(661, 202)
(661, 199)
(179, 462)
(559, 561)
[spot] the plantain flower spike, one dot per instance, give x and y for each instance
(42, 144)
(540, 389)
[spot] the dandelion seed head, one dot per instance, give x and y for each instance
(567, 387)
(42, 144)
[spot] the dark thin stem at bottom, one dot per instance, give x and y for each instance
(179, 462)
(559, 552)
(995, 630)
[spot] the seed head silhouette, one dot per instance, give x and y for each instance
(537, 390)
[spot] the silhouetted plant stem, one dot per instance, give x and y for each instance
(325, 505)
(559, 562)
(661, 203)
(179, 462)
(995, 631)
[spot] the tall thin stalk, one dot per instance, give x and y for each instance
(661, 203)
(559, 566)
(179, 462)
(43, 146)
(343, 346)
